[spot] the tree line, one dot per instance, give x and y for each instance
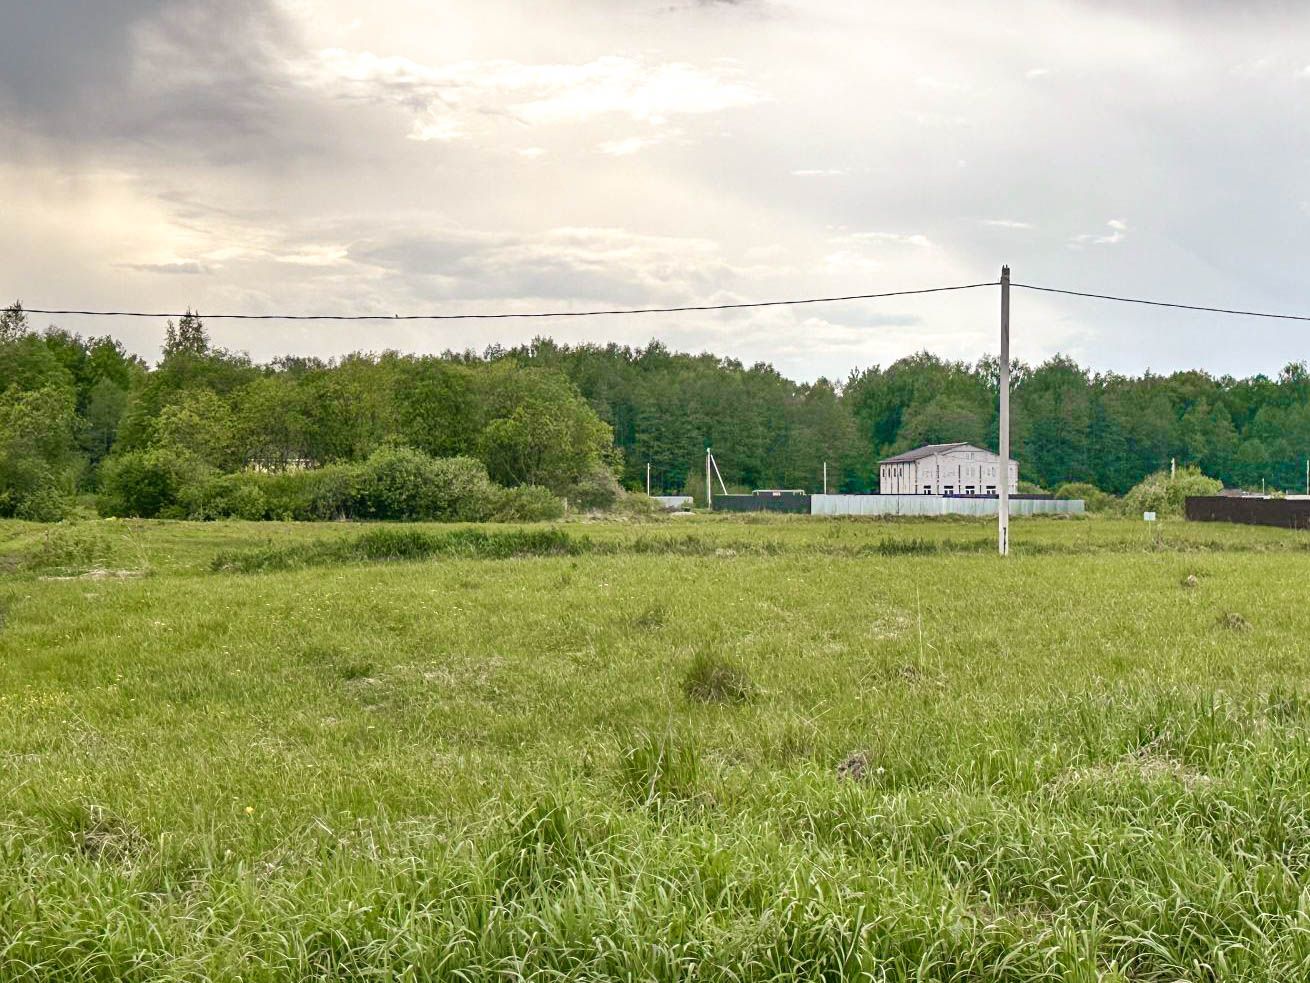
(83, 416)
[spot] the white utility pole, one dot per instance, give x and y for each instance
(648, 478)
(1003, 506)
(709, 489)
(825, 477)
(1173, 468)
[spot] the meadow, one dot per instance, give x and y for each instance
(713, 748)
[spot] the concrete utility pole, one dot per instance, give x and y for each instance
(648, 478)
(1003, 506)
(709, 489)
(825, 477)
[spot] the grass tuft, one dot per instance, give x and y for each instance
(1234, 622)
(714, 679)
(660, 769)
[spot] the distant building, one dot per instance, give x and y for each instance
(944, 469)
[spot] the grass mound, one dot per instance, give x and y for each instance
(713, 679)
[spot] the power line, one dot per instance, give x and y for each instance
(1162, 303)
(502, 315)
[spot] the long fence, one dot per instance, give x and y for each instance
(896, 504)
(1288, 513)
(940, 505)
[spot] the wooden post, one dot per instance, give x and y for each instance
(1003, 506)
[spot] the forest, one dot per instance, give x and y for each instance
(516, 432)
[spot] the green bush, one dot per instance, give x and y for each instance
(1166, 495)
(148, 483)
(237, 496)
(526, 503)
(402, 483)
(1094, 499)
(1030, 488)
(595, 490)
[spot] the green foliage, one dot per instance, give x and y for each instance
(596, 490)
(1094, 499)
(401, 483)
(526, 503)
(584, 420)
(149, 483)
(540, 431)
(1029, 488)
(1166, 495)
(395, 483)
(38, 464)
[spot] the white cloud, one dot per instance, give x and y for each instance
(626, 146)
(1007, 223)
(1036, 73)
(917, 239)
(1118, 229)
(466, 98)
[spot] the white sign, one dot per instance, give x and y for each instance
(1148, 516)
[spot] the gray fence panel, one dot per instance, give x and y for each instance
(939, 505)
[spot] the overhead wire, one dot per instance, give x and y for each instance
(744, 305)
(516, 314)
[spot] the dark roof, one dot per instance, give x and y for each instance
(927, 450)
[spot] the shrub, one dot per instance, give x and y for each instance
(1095, 499)
(148, 483)
(402, 483)
(638, 505)
(315, 495)
(526, 503)
(597, 489)
(1166, 495)
(237, 496)
(1030, 488)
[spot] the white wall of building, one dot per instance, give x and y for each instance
(959, 471)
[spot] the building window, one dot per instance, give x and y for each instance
(948, 490)
(991, 489)
(968, 489)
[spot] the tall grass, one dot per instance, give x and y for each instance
(361, 765)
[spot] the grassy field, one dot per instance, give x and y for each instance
(729, 748)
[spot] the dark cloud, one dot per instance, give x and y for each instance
(54, 52)
(196, 79)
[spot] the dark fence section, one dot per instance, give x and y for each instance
(762, 503)
(1290, 514)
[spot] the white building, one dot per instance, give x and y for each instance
(944, 469)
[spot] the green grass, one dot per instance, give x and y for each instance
(604, 750)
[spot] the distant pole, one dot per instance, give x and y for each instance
(1307, 475)
(825, 477)
(1003, 506)
(709, 489)
(1173, 468)
(648, 478)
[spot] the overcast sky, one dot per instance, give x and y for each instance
(406, 156)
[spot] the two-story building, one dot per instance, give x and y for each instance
(945, 469)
